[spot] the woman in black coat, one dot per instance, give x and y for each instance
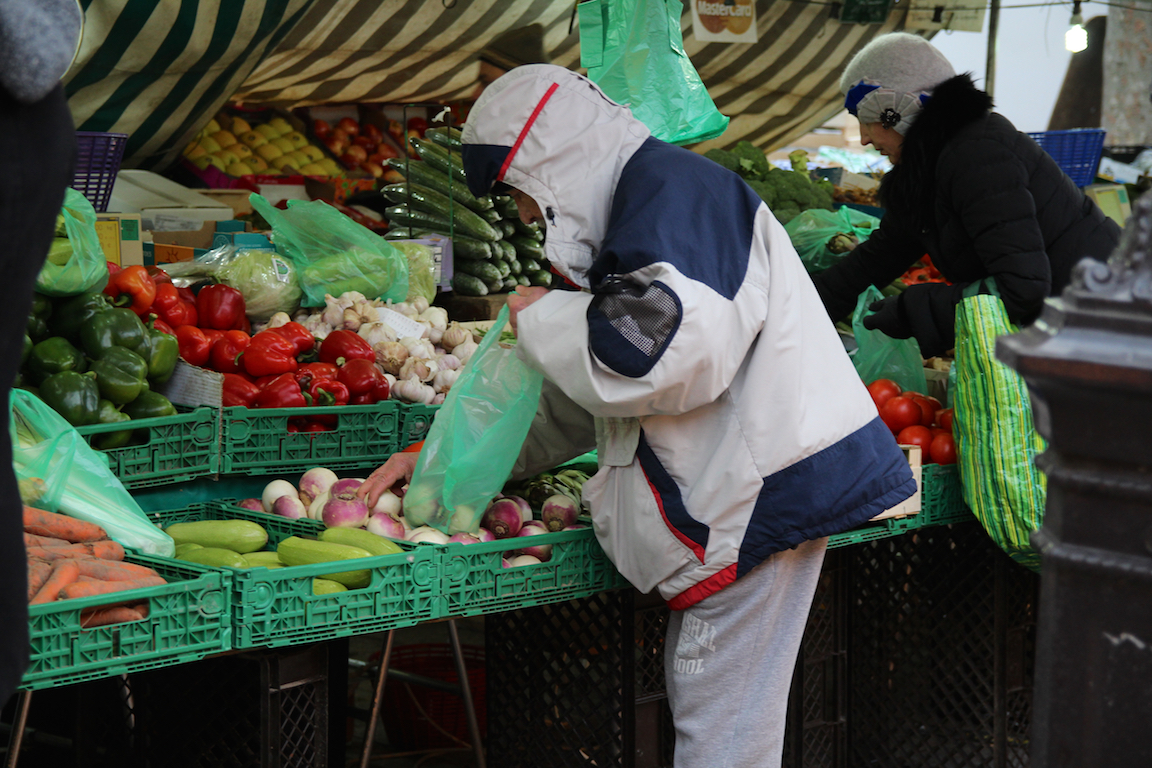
(966, 188)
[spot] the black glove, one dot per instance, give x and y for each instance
(889, 318)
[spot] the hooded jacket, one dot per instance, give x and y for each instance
(728, 420)
(983, 200)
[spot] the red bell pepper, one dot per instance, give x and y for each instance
(113, 268)
(170, 308)
(269, 353)
(300, 336)
(160, 325)
(309, 372)
(194, 346)
(341, 346)
(132, 287)
(220, 307)
(225, 354)
(328, 392)
(365, 399)
(281, 392)
(382, 390)
(187, 294)
(237, 390)
(360, 376)
(160, 276)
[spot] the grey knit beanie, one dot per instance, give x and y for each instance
(890, 79)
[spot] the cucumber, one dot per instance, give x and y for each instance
(263, 558)
(532, 231)
(295, 550)
(526, 246)
(510, 284)
(530, 265)
(508, 250)
(522, 279)
(327, 587)
(465, 247)
(485, 270)
(409, 233)
(240, 536)
(507, 206)
(502, 269)
(407, 216)
(422, 173)
(507, 227)
(358, 537)
(217, 557)
(495, 286)
(450, 138)
(440, 159)
(492, 217)
(515, 267)
(421, 198)
(540, 277)
(468, 285)
(182, 548)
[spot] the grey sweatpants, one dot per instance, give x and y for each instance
(729, 659)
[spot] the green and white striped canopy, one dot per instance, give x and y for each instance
(158, 70)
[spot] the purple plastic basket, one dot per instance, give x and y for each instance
(97, 163)
(1077, 151)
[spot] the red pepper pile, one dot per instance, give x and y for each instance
(923, 271)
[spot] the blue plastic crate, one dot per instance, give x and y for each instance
(1076, 151)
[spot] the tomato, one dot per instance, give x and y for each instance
(943, 449)
(883, 390)
(916, 435)
(928, 408)
(944, 419)
(900, 412)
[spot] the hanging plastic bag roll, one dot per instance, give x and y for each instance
(75, 262)
(58, 471)
(475, 438)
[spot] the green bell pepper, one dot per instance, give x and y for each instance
(110, 414)
(72, 313)
(116, 327)
(26, 351)
(54, 355)
(73, 395)
(37, 327)
(163, 352)
(120, 375)
(60, 253)
(149, 405)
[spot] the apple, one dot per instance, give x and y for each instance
(313, 152)
(284, 144)
(335, 145)
(212, 127)
(238, 169)
(194, 150)
(286, 165)
(226, 157)
(417, 124)
(364, 141)
(321, 128)
(210, 145)
(342, 135)
(253, 139)
(281, 125)
(392, 176)
(242, 151)
(240, 125)
(357, 152)
(257, 163)
(299, 158)
(299, 141)
(372, 132)
(375, 169)
(204, 161)
(313, 169)
(267, 131)
(349, 126)
(396, 131)
(330, 166)
(269, 152)
(387, 150)
(349, 160)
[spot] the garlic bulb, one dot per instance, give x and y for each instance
(377, 332)
(351, 320)
(367, 311)
(417, 368)
(448, 362)
(412, 391)
(465, 351)
(390, 355)
(438, 399)
(421, 348)
(437, 317)
(454, 335)
(278, 319)
(443, 380)
(420, 304)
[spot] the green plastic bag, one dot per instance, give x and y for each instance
(996, 440)
(879, 356)
(58, 471)
(333, 254)
(822, 238)
(634, 50)
(475, 439)
(76, 262)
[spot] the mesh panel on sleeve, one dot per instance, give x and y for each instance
(645, 316)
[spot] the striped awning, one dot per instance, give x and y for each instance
(159, 71)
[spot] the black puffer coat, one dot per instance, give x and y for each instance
(983, 200)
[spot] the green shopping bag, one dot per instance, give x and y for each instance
(634, 50)
(475, 439)
(823, 238)
(75, 262)
(996, 441)
(879, 356)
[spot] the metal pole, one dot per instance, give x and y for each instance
(990, 61)
(16, 739)
(377, 697)
(466, 693)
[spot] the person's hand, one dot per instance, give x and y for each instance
(525, 296)
(888, 317)
(399, 467)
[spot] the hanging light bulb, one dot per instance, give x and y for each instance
(1076, 38)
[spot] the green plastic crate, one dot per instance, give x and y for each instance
(417, 420)
(188, 619)
(181, 447)
(276, 607)
(257, 441)
(474, 580)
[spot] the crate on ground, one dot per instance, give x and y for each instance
(475, 581)
(417, 420)
(98, 157)
(188, 619)
(1076, 151)
(261, 441)
(276, 607)
(170, 449)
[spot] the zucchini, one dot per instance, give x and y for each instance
(263, 558)
(540, 277)
(240, 536)
(217, 557)
(468, 285)
(440, 159)
(358, 537)
(188, 547)
(407, 216)
(327, 587)
(295, 550)
(446, 136)
(485, 270)
(422, 173)
(421, 198)
(526, 246)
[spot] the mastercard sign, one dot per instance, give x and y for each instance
(732, 21)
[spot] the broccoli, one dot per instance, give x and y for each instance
(787, 193)
(744, 159)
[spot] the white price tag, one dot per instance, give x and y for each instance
(402, 324)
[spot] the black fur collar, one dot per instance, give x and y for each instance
(910, 187)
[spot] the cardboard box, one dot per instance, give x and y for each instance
(1112, 199)
(255, 241)
(236, 199)
(201, 237)
(162, 203)
(121, 238)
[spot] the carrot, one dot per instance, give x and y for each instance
(107, 550)
(108, 570)
(64, 573)
(99, 617)
(43, 523)
(38, 573)
(32, 540)
(90, 588)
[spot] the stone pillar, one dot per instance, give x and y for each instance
(1088, 364)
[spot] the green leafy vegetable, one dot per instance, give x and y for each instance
(267, 281)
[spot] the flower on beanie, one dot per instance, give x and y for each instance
(889, 80)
